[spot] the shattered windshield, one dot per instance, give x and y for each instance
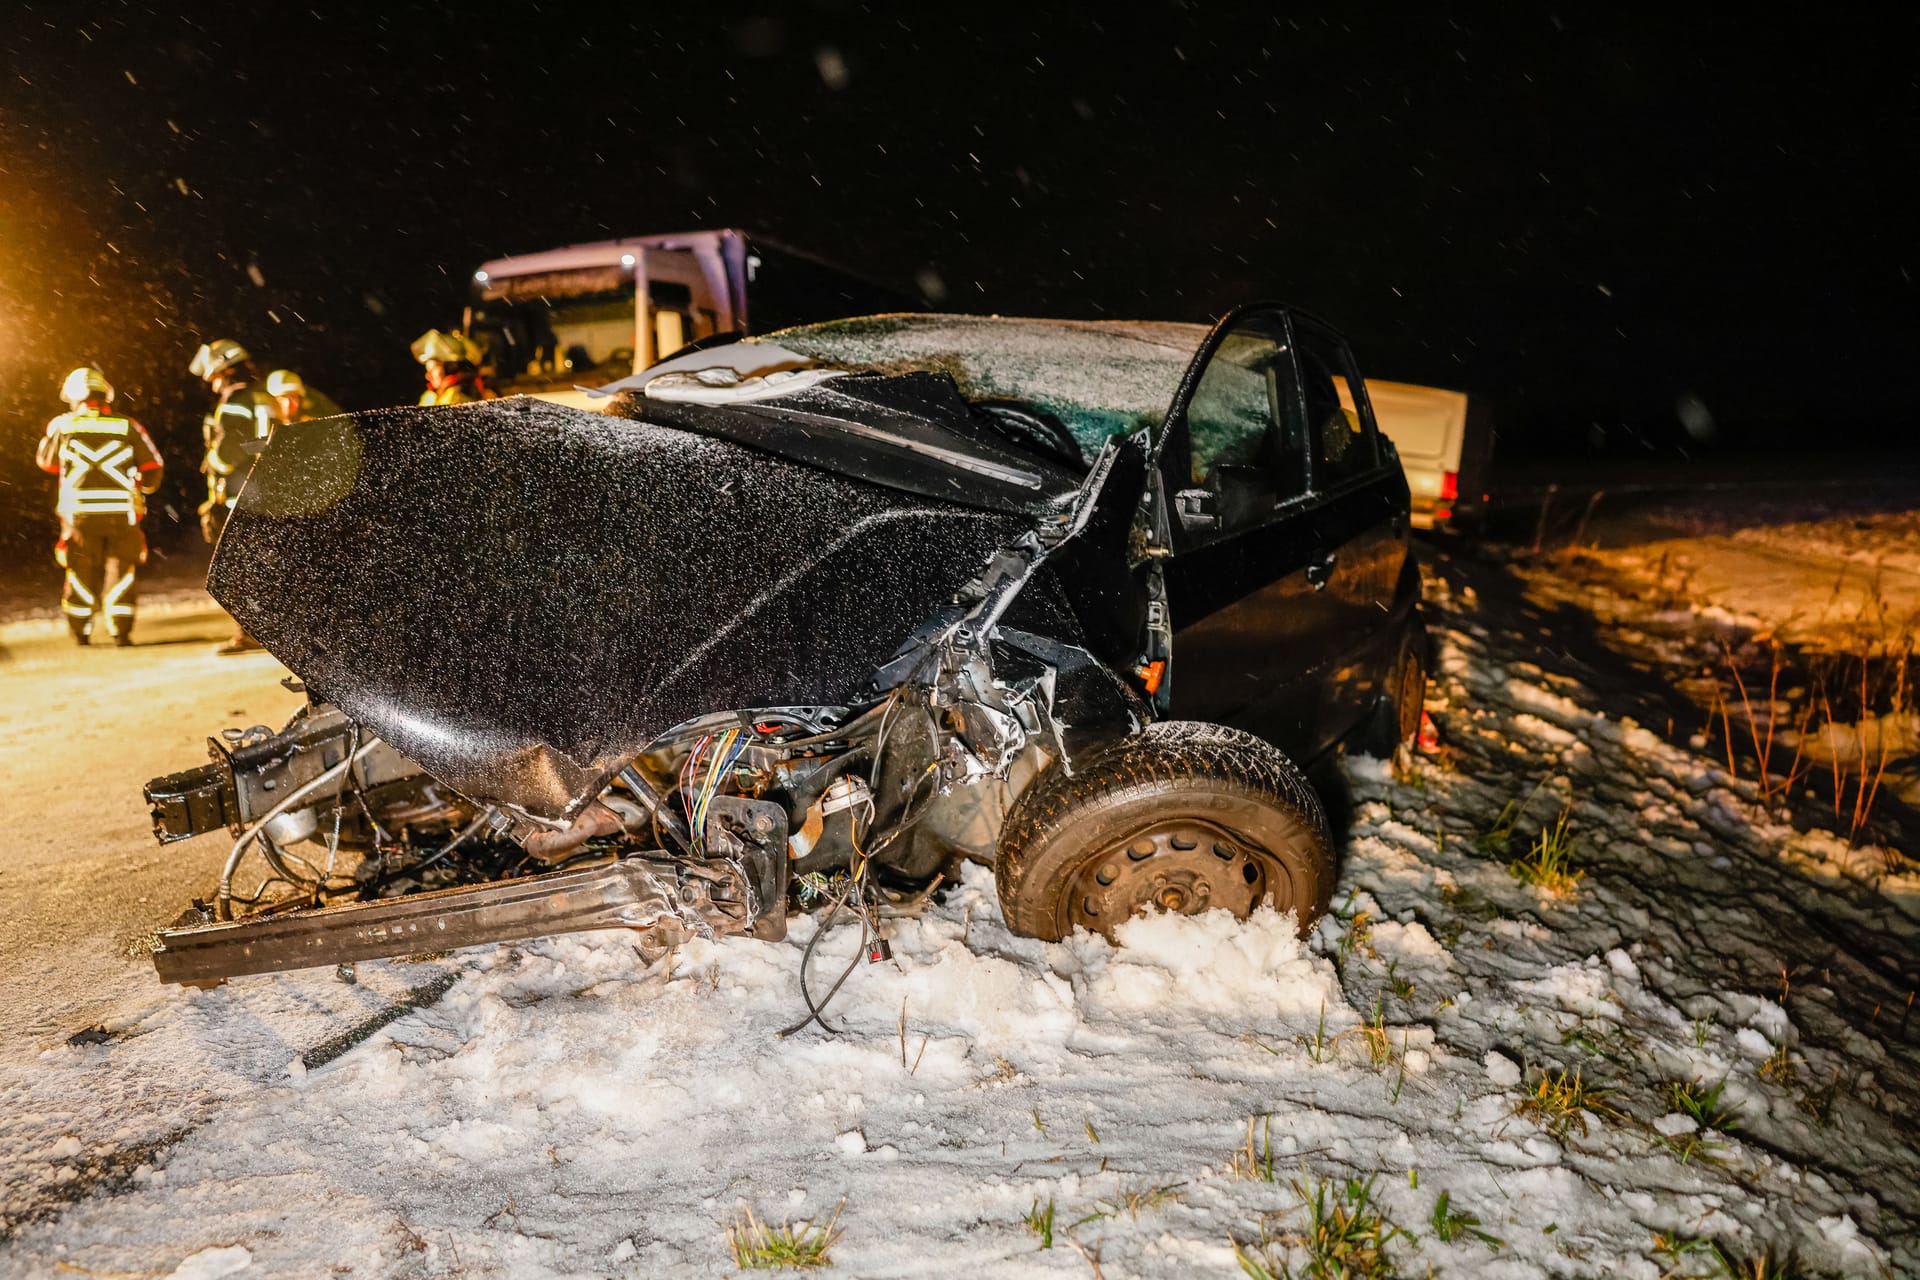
(1101, 378)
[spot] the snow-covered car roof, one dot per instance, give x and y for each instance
(1099, 377)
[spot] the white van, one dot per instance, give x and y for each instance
(1442, 448)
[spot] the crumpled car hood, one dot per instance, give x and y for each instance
(521, 596)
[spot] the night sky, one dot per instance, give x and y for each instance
(1584, 223)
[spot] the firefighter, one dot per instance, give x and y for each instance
(242, 414)
(107, 466)
(298, 402)
(452, 362)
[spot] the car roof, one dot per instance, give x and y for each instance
(1099, 377)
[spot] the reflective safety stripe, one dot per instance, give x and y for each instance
(117, 590)
(113, 608)
(82, 469)
(104, 502)
(78, 601)
(112, 453)
(87, 424)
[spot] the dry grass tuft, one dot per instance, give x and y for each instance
(1548, 866)
(758, 1245)
(1561, 1101)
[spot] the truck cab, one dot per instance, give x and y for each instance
(553, 322)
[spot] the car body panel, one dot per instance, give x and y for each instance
(1251, 640)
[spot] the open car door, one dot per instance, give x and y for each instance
(1254, 628)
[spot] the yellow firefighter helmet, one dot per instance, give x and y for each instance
(285, 382)
(86, 383)
(216, 357)
(446, 348)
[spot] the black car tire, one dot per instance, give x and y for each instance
(1181, 817)
(1397, 717)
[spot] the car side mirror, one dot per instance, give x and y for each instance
(1242, 496)
(1197, 509)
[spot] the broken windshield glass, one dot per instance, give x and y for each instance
(1100, 378)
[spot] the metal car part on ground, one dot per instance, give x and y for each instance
(885, 605)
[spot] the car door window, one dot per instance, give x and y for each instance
(1343, 441)
(1246, 451)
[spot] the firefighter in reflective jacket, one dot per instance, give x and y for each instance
(299, 402)
(452, 362)
(242, 415)
(107, 466)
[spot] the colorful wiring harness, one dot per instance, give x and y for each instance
(721, 752)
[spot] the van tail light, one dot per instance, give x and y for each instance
(1449, 486)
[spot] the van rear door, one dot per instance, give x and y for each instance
(1428, 428)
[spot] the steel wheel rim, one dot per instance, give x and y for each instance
(1182, 865)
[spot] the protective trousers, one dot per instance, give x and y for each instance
(102, 556)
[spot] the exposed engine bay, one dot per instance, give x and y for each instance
(717, 830)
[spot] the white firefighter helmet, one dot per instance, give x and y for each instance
(217, 357)
(446, 348)
(285, 382)
(86, 383)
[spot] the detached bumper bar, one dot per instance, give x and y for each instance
(641, 893)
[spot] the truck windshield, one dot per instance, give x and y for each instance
(556, 337)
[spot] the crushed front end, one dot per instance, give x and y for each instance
(683, 687)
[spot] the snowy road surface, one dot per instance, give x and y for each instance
(560, 1108)
(82, 883)
(80, 874)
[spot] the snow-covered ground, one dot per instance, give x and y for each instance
(1819, 616)
(563, 1109)
(1832, 585)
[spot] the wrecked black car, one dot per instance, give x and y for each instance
(800, 621)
